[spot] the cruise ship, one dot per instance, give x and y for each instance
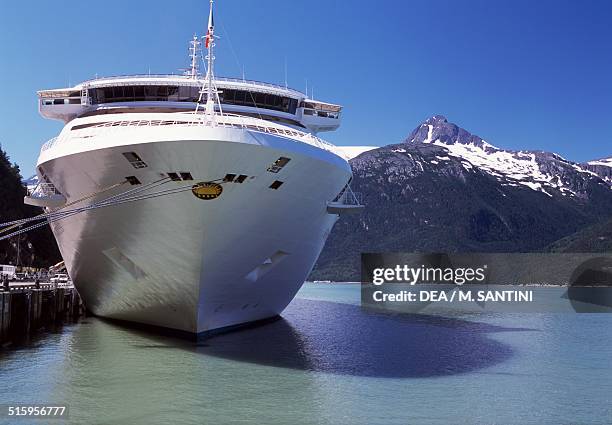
(189, 201)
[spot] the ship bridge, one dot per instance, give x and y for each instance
(169, 93)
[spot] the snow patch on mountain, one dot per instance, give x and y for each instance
(601, 167)
(606, 162)
(31, 183)
(519, 167)
(429, 134)
(583, 170)
(350, 152)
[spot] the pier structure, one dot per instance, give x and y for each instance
(26, 308)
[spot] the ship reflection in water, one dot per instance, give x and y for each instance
(326, 361)
(342, 338)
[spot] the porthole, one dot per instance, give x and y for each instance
(276, 184)
(135, 160)
(186, 175)
(133, 180)
(174, 177)
(278, 164)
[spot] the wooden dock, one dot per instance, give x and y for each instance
(26, 308)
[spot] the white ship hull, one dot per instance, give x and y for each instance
(185, 263)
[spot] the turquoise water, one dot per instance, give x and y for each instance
(327, 362)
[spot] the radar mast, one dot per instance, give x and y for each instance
(209, 88)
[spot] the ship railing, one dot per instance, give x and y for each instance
(348, 197)
(225, 120)
(189, 77)
(347, 202)
(48, 144)
(321, 113)
(43, 190)
(250, 123)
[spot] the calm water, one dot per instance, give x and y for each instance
(327, 361)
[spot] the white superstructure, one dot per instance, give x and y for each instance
(190, 202)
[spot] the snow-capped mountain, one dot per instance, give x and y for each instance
(546, 172)
(30, 183)
(445, 189)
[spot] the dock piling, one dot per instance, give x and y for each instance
(25, 309)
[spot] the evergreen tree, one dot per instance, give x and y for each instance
(35, 249)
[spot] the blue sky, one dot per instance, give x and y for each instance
(521, 74)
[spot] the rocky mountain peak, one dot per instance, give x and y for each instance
(436, 120)
(545, 172)
(437, 129)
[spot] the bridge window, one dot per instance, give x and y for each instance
(259, 100)
(143, 94)
(139, 93)
(164, 93)
(188, 94)
(324, 110)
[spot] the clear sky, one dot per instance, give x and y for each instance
(521, 74)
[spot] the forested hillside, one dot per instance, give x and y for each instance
(34, 249)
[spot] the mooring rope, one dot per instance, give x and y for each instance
(60, 211)
(131, 195)
(17, 223)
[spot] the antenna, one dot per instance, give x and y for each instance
(306, 87)
(212, 94)
(285, 71)
(193, 55)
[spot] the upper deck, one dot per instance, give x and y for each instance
(168, 93)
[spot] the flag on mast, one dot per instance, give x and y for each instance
(211, 24)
